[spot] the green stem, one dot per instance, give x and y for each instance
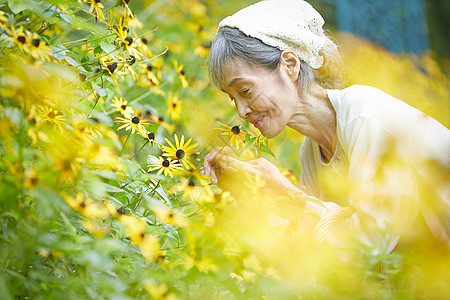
(123, 146)
(146, 142)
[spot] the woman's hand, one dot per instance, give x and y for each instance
(221, 165)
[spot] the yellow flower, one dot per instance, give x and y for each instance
(221, 198)
(202, 49)
(127, 9)
(192, 191)
(235, 133)
(50, 115)
(38, 48)
(160, 121)
(170, 216)
(127, 41)
(122, 106)
(180, 151)
(18, 37)
(3, 19)
(159, 292)
(111, 67)
(31, 178)
(150, 137)
(148, 69)
(133, 123)
(174, 106)
(181, 74)
(97, 6)
(164, 165)
(86, 206)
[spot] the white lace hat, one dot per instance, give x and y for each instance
(284, 24)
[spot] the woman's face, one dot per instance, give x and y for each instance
(266, 100)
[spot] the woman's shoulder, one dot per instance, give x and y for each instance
(362, 101)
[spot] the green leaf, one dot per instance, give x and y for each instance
(108, 48)
(101, 91)
(98, 50)
(266, 149)
(17, 6)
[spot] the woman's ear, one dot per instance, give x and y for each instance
(290, 64)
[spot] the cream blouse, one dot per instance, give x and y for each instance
(383, 151)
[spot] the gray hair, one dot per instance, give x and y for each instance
(231, 43)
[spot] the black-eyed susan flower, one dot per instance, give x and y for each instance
(150, 137)
(180, 151)
(159, 292)
(193, 190)
(96, 6)
(160, 121)
(38, 48)
(128, 67)
(173, 106)
(235, 133)
(170, 216)
(133, 123)
(163, 164)
(3, 19)
(142, 44)
(124, 3)
(50, 115)
(85, 205)
(111, 67)
(221, 198)
(125, 39)
(122, 106)
(18, 37)
(149, 70)
(202, 49)
(181, 74)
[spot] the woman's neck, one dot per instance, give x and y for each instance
(315, 117)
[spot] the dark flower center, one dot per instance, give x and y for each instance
(174, 105)
(149, 67)
(135, 120)
(121, 211)
(112, 67)
(21, 39)
(133, 60)
(129, 40)
(166, 163)
(217, 197)
(97, 1)
(82, 204)
(123, 106)
(160, 119)
(235, 129)
(36, 42)
(51, 115)
(144, 41)
(182, 72)
(180, 153)
(191, 182)
(207, 45)
(151, 136)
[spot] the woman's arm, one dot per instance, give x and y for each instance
(220, 163)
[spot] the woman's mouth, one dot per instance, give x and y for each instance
(258, 122)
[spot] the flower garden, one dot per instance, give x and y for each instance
(106, 113)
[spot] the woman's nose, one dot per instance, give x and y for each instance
(243, 109)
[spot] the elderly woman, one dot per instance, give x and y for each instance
(275, 62)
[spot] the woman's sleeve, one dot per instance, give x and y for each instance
(383, 190)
